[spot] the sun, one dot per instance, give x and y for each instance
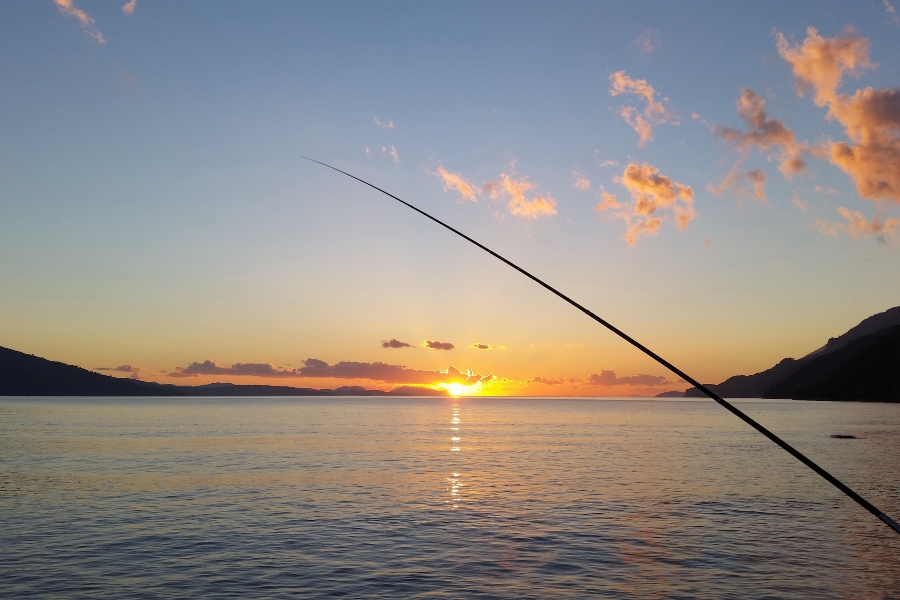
(459, 389)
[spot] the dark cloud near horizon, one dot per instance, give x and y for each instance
(120, 368)
(550, 381)
(315, 368)
(439, 345)
(608, 378)
(395, 343)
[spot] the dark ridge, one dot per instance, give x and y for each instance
(760, 384)
(841, 436)
(27, 375)
(867, 368)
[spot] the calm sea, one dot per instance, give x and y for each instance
(442, 498)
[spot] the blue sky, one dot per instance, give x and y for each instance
(155, 210)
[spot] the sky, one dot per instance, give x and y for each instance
(718, 180)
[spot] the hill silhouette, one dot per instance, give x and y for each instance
(28, 375)
(860, 364)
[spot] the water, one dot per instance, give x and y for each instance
(442, 498)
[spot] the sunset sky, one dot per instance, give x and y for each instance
(719, 180)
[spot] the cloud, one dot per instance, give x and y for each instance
(455, 181)
(439, 345)
(654, 113)
(608, 378)
(769, 136)
(857, 226)
(826, 190)
(871, 118)
(128, 7)
(68, 8)
(392, 343)
(608, 163)
(384, 124)
(607, 202)
(580, 182)
(120, 369)
(518, 204)
(890, 14)
(734, 182)
(654, 198)
(547, 381)
(315, 368)
(487, 347)
(798, 202)
(392, 153)
(819, 63)
(647, 42)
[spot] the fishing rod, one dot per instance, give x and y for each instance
(719, 400)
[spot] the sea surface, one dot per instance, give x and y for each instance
(442, 498)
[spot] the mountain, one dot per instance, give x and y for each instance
(27, 375)
(794, 376)
(867, 368)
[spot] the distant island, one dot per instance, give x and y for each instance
(27, 375)
(863, 364)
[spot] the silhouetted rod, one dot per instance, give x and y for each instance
(728, 406)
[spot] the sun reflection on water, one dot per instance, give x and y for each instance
(455, 478)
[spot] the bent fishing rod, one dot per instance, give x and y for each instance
(719, 400)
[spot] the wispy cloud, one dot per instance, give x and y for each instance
(68, 8)
(735, 181)
(518, 204)
(549, 381)
(438, 345)
(798, 202)
(580, 182)
(455, 181)
(654, 197)
(392, 152)
(394, 343)
(120, 369)
(384, 124)
(858, 226)
(128, 7)
(655, 113)
(890, 13)
(647, 42)
(487, 347)
(870, 117)
(825, 190)
(314, 368)
(609, 379)
(769, 136)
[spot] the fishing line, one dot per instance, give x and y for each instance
(728, 406)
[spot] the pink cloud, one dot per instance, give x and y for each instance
(765, 134)
(734, 182)
(857, 226)
(455, 181)
(655, 113)
(654, 198)
(870, 117)
(518, 204)
(68, 8)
